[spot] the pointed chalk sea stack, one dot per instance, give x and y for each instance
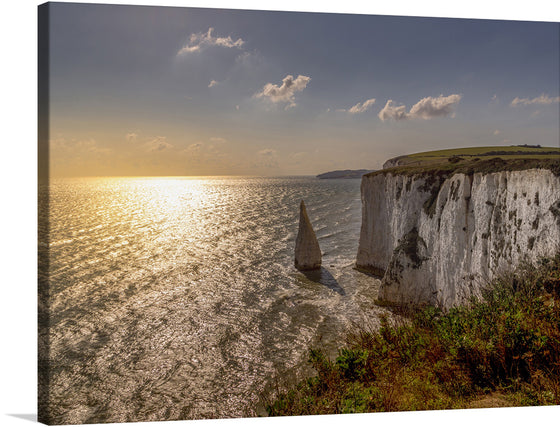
(308, 253)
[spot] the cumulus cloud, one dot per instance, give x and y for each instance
(218, 139)
(212, 83)
(199, 41)
(286, 92)
(362, 107)
(159, 143)
(426, 109)
(392, 112)
(429, 107)
(539, 100)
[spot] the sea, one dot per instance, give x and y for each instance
(169, 298)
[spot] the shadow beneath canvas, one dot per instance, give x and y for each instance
(28, 417)
(325, 278)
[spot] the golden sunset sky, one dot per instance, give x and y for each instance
(176, 91)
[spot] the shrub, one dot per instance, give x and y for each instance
(352, 363)
(507, 342)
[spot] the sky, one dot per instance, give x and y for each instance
(141, 91)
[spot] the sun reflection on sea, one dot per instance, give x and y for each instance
(177, 297)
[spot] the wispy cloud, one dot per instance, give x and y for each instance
(426, 109)
(76, 147)
(207, 152)
(212, 83)
(299, 157)
(159, 143)
(267, 152)
(218, 139)
(250, 60)
(200, 41)
(194, 147)
(286, 92)
(195, 153)
(267, 158)
(361, 107)
(539, 100)
(131, 136)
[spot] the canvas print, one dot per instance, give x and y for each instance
(255, 213)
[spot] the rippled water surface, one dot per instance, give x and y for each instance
(176, 298)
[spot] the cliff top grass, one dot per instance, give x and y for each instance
(501, 350)
(477, 160)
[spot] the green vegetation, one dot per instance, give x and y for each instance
(501, 350)
(445, 163)
(520, 151)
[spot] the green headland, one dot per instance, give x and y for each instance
(476, 159)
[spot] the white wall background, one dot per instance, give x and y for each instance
(18, 160)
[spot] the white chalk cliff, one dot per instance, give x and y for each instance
(439, 240)
(307, 253)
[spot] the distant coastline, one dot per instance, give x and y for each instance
(344, 174)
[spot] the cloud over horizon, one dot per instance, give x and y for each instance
(199, 41)
(194, 147)
(427, 108)
(286, 92)
(539, 100)
(267, 158)
(159, 143)
(73, 146)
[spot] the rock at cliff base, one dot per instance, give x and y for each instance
(308, 252)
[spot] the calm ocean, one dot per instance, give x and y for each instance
(176, 298)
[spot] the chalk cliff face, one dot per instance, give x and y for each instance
(438, 240)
